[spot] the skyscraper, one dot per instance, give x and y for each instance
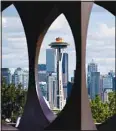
(43, 87)
(50, 60)
(113, 77)
(88, 82)
(52, 90)
(101, 87)
(6, 74)
(41, 67)
(18, 77)
(69, 88)
(42, 76)
(65, 73)
(107, 82)
(92, 67)
(25, 79)
(94, 84)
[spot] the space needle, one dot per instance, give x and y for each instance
(59, 44)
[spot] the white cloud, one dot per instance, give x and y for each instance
(17, 39)
(103, 32)
(11, 23)
(14, 34)
(100, 43)
(4, 22)
(106, 31)
(60, 23)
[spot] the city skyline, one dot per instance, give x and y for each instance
(100, 34)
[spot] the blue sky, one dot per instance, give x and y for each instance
(100, 40)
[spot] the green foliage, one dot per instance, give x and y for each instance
(12, 101)
(103, 110)
(112, 103)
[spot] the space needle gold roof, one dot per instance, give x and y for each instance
(59, 43)
(59, 39)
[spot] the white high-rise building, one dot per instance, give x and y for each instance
(21, 76)
(52, 90)
(105, 94)
(18, 77)
(25, 79)
(51, 60)
(43, 88)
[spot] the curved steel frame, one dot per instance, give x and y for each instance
(37, 116)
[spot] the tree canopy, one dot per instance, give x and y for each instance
(12, 101)
(103, 110)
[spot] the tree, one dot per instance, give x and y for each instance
(112, 103)
(99, 110)
(13, 100)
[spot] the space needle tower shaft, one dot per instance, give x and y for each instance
(59, 45)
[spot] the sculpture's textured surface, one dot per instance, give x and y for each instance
(36, 18)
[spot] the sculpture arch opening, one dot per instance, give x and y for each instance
(100, 63)
(47, 63)
(14, 66)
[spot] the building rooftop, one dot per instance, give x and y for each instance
(59, 43)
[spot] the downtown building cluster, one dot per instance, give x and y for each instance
(99, 84)
(19, 76)
(47, 77)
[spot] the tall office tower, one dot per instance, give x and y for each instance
(52, 90)
(69, 88)
(6, 74)
(18, 77)
(65, 73)
(88, 82)
(101, 87)
(25, 79)
(50, 60)
(113, 77)
(59, 44)
(94, 84)
(92, 67)
(43, 88)
(41, 67)
(107, 82)
(42, 76)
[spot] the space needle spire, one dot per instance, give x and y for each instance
(59, 44)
